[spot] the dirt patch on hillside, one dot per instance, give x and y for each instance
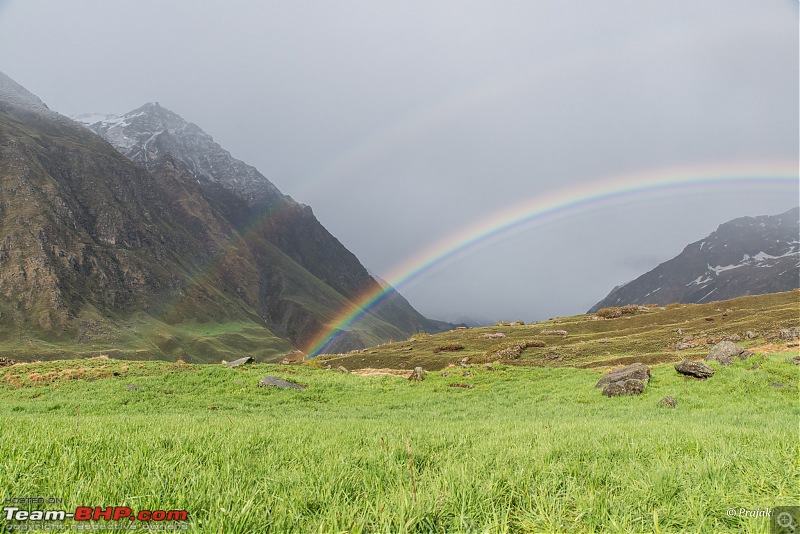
(402, 373)
(771, 348)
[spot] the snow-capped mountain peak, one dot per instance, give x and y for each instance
(151, 133)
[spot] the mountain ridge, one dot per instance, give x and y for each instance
(744, 256)
(94, 238)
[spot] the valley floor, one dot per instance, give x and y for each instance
(523, 450)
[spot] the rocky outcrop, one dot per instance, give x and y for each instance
(725, 352)
(629, 380)
(271, 381)
(697, 370)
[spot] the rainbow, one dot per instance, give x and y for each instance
(640, 186)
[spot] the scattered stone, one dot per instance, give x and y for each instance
(789, 333)
(734, 338)
(793, 344)
(668, 402)
(327, 368)
(272, 381)
(636, 371)
(750, 335)
(132, 387)
(286, 362)
(460, 385)
(777, 385)
(630, 386)
(213, 408)
(342, 369)
(489, 366)
(756, 366)
(417, 375)
(445, 373)
(467, 374)
(605, 340)
(687, 339)
(4, 362)
(679, 331)
(240, 361)
(725, 351)
(795, 360)
(683, 346)
(494, 336)
(698, 370)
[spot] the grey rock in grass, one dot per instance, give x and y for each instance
(240, 361)
(668, 402)
(683, 346)
(777, 385)
(6, 362)
(725, 351)
(630, 386)
(795, 360)
(417, 375)
(635, 371)
(272, 381)
(789, 333)
(342, 369)
(697, 370)
(750, 335)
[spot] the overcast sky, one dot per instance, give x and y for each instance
(402, 123)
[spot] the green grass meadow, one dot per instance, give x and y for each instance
(524, 450)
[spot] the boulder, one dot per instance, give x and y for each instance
(698, 370)
(789, 333)
(668, 402)
(417, 375)
(240, 361)
(683, 346)
(725, 351)
(636, 371)
(630, 386)
(750, 335)
(275, 382)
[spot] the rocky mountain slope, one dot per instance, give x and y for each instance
(164, 228)
(745, 256)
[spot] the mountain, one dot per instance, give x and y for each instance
(745, 256)
(166, 144)
(162, 244)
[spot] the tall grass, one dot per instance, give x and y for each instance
(526, 450)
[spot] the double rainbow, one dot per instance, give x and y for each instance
(780, 177)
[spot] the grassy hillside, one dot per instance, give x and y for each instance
(524, 450)
(525, 446)
(648, 334)
(143, 337)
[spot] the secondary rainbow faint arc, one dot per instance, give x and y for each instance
(553, 203)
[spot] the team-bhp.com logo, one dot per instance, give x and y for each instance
(88, 513)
